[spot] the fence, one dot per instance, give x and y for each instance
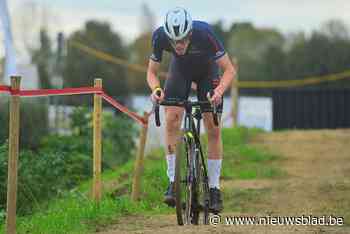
(311, 109)
(14, 122)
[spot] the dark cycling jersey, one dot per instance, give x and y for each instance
(204, 45)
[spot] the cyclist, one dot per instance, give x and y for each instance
(197, 55)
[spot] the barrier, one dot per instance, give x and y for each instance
(15, 92)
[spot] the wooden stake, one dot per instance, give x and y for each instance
(138, 168)
(97, 141)
(13, 156)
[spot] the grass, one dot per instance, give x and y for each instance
(245, 200)
(244, 161)
(74, 213)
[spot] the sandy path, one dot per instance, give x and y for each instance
(317, 183)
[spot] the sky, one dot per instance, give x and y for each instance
(288, 16)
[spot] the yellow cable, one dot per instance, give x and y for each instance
(290, 83)
(241, 84)
(110, 58)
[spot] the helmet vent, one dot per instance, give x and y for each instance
(176, 30)
(167, 27)
(186, 23)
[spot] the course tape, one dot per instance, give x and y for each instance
(54, 92)
(123, 109)
(74, 91)
(5, 89)
(51, 92)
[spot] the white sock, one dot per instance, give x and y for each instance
(170, 158)
(214, 170)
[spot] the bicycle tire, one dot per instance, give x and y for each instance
(183, 188)
(178, 182)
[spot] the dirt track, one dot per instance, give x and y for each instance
(317, 183)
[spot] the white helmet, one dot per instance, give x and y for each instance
(177, 24)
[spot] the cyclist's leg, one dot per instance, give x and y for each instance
(205, 84)
(215, 148)
(177, 88)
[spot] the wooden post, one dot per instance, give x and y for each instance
(97, 141)
(138, 167)
(234, 95)
(13, 156)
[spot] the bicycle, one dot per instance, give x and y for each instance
(191, 177)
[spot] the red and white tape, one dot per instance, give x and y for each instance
(75, 91)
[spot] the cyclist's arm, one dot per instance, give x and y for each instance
(229, 73)
(218, 53)
(152, 79)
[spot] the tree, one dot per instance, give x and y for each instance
(273, 66)
(335, 29)
(43, 58)
(321, 54)
(140, 52)
(249, 45)
(81, 68)
(221, 32)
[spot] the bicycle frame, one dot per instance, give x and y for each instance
(195, 162)
(192, 130)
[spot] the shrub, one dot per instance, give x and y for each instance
(33, 122)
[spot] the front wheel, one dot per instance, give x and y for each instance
(184, 192)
